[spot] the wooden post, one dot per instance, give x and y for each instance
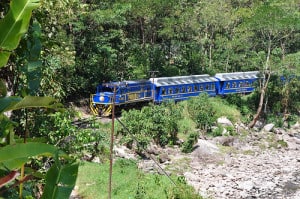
(111, 143)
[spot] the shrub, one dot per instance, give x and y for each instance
(201, 111)
(154, 122)
(188, 145)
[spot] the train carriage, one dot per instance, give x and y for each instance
(238, 82)
(182, 87)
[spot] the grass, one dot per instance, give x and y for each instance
(223, 109)
(128, 183)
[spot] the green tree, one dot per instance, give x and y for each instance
(201, 111)
(60, 178)
(277, 24)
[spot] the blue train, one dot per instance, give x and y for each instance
(176, 88)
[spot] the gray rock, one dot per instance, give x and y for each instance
(224, 121)
(164, 157)
(246, 185)
(204, 147)
(268, 127)
(296, 126)
(224, 140)
(123, 152)
(259, 124)
(153, 149)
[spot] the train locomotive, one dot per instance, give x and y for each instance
(178, 88)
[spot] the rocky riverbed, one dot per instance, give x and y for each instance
(255, 164)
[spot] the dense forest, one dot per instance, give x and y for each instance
(71, 46)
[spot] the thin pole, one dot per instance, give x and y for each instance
(152, 75)
(111, 143)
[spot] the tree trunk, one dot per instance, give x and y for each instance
(258, 112)
(264, 87)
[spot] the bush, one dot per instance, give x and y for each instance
(201, 111)
(188, 145)
(155, 122)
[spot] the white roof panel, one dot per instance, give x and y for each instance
(238, 75)
(192, 79)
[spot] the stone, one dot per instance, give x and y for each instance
(224, 140)
(296, 126)
(246, 185)
(164, 157)
(123, 152)
(224, 121)
(153, 149)
(204, 147)
(268, 127)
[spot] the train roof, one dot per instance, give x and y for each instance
(237, 75)
(179, 80)
(125, 83)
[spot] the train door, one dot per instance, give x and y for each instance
(122, 94)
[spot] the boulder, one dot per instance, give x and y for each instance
(164, 157)
(123, 152)
(224, 140)
(224, 121)
(153, 149)
(268, 127)
(205, 148)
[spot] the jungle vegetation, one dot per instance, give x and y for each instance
(53, 52)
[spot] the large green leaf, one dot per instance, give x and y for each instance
(14, 25)
(13, 156)
(60, 181)
(14, 103)
(6, 103)
(4, 56)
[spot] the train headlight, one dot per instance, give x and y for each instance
(101, 98)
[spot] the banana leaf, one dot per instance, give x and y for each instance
(13, 156)
(14, 103)
(60, 181)
(14, 25)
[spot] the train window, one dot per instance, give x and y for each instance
(176, 90)
(227, 85)
(190, 89)
(213, 86)
(163, 91)
(183, 90)
(195, 87)
(246, 83)
(170, 91)
(207, 87)
(201, 88)
(233, 84)
(106, 89)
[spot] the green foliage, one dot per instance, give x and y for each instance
(201, 111)
(13, 26)
(154, 122)
(93, 182)
(60, 181)
(59, 130)
(14, 156)
(221, 109)
(218, 131)
(182, 190)
(188, 145)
